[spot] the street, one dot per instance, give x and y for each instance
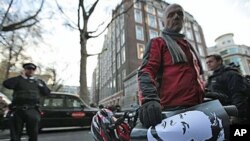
(57, 135)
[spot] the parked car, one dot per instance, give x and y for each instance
(5, 98)
(65, 110)
(3, 120)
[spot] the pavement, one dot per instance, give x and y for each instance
(4, 134)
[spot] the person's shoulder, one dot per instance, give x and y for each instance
(15, 77)
(230, 69)
(158, 38)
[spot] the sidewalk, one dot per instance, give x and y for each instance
(4, 134)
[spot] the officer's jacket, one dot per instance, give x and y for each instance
(26, 90)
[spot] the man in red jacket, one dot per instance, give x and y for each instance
(169, 77)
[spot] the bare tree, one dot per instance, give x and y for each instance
(56, 82)
(11, 22)
(83, 20)
(18, 27)
(84, 14)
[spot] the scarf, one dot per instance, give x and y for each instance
(177, 54)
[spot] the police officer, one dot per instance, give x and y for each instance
(25, 103)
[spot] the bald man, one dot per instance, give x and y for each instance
(169, 76)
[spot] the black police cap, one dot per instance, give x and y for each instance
(29, 66)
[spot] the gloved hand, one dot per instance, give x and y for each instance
(215, 95)
(39, 83)
(150, 113)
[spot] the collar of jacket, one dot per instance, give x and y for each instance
(25, 77)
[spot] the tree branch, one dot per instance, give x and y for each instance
(19, 25)
(92, 8)
(5, 15)
(115, 17)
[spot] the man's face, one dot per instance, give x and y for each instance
(174, 18)
(212, 63)
(29, 71)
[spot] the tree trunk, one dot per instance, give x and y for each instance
(83, 75)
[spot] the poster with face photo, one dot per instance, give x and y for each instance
(205, 122)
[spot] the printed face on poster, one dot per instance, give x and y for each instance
(207, 121)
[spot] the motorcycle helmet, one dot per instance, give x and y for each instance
(104, 127)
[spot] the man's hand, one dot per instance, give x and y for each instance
(150, 113)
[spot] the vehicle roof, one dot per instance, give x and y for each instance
(64, 93)
(71, 94)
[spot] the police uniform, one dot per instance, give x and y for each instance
(25, 104)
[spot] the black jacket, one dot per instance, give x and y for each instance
(26, 90)
(228, 81)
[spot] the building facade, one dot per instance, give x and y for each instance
(231, 52)
(125, 42)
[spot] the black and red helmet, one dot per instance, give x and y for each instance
(105, 128)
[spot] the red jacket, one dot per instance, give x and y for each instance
(180, 85)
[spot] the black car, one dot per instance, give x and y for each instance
(65, 110)
(62, 110)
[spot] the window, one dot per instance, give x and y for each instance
(195, 27)
(201, 51)
(113, 56)
(114, 84)
(233, 50)
(123, 55)
(138, 16)
(122, 37)
(137, 4)
(150, 9)
(159, 13)
(121, 21)
(161, 27)
(152, 33)
(189, 35)
(198, 37)
(139, 33)
(119, 82)
(187, 24)
(118, 45)
(123, 74)
(140, 50)
(73, 103)
(151, 20)
(118, 61)
(114, 66)
(224, 52)
(53, 102)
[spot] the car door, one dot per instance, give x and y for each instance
(75, 111)
(54, 113)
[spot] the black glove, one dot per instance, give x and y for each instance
(215, 95)
(150, 113)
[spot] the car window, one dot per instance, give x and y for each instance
(53, 102)
(73, 102)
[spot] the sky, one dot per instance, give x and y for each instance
(216, 17)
